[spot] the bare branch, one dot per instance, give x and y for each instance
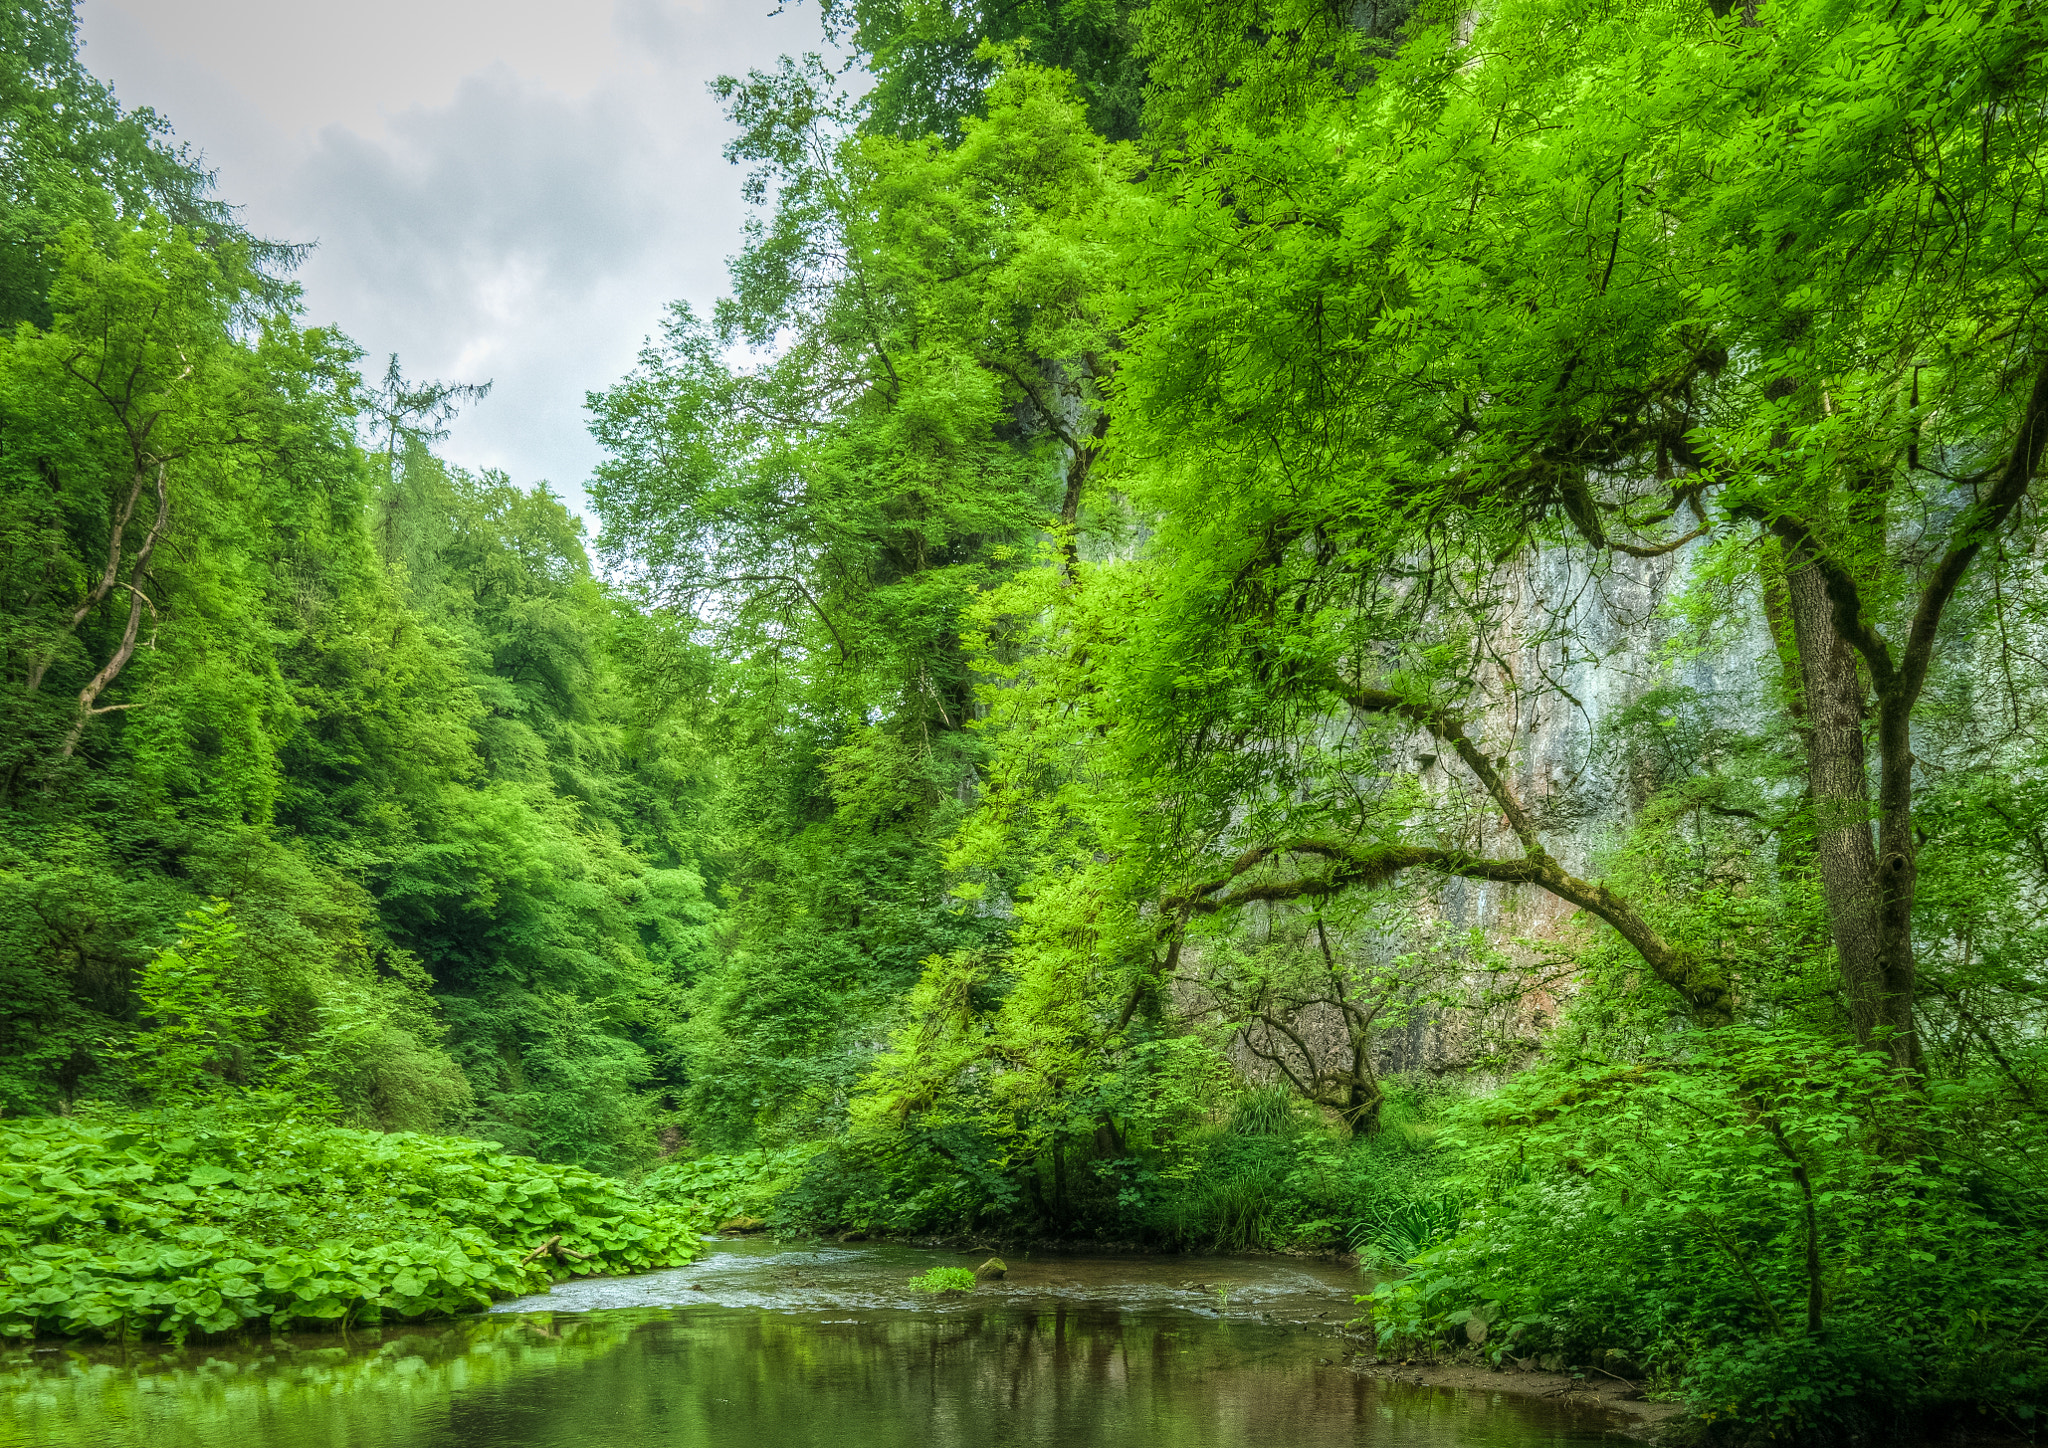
(1637, 550)
(111, 670)
(99, 590)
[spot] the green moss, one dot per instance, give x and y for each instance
(944, 1279)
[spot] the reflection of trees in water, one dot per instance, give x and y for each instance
(731, 1378)
(1076, 1377)
(304, 1391)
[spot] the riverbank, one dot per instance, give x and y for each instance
(1308, 1300)
(1648, 1419)
(225, 1219)
(1665, 1422)
(1088, 1350)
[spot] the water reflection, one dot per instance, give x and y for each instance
(1034, 1372)
(373, 1388)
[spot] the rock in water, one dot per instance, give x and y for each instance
(742, 1224)
(990, 1270)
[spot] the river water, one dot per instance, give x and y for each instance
(764, 1345)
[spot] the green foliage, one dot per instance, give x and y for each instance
(719, 1188)
(824, 516)
(904, 1183)
(385, 713)
(213, 1219)
(198, 1034)
(73, 155)
(1106, 619)
(142, 533)
(933, 62)
(944, 1279)
(1772, 1219)
(1274, 1179)
(1268, 1178)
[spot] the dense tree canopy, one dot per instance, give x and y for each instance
(382, 710)
(1257, 625)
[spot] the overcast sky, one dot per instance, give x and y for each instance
(500, 189)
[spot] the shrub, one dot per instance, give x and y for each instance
(217, 1218)
(1276, 1178)
(902, 1183)
(1839, 1386)
(739, 1184)
(1793, 1237)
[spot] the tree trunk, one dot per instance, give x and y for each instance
(1898, 875)
(1364, 1097)
(1839, 786)
(88, 698)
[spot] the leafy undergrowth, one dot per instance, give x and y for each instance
(216, 1219)
(1268, 1177)
(738, 1184)
(1803, 1245)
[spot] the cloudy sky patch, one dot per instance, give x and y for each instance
(500, 189)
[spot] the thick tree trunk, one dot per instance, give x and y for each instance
(1898, 874)
(1897, 683)
(1833, 695)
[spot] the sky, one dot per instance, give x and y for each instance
(501, 190)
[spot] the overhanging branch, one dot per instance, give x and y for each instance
(1975, 528)
(1703, 986)
(1451, 730)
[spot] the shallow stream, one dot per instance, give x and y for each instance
(765, 1345)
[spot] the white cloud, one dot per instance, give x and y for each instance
(503, 189)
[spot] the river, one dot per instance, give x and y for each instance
(761, 1344)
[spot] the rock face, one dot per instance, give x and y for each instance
(1576, 646)
(1596, 683)
(991, 1270)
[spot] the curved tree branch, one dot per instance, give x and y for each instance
(1451, 730)
(111, 670)
(1973, 530)
(1705, 989)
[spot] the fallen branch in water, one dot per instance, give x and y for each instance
(553, 1247)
